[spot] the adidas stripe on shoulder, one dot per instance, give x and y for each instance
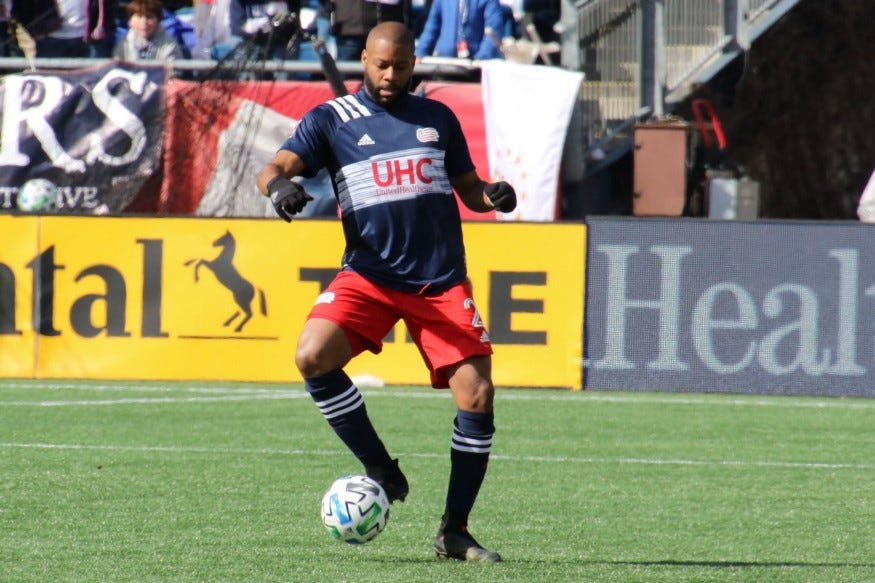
(348, 108)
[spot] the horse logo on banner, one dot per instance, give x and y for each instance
(242, 290)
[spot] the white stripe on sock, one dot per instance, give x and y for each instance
(470, 444)
(341, 404)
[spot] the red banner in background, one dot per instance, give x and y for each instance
(465, 99)
(121, 139)
(218, 135)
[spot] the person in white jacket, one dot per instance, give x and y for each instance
(146, 39)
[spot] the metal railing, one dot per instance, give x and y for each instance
(642, 57)
(455, 68)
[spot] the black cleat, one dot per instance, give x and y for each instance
(462, 546)
(391, 478)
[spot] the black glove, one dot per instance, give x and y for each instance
(288, 198)
(501, 195)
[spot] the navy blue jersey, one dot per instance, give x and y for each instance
(390, 169)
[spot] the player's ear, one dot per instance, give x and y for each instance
(364, 56)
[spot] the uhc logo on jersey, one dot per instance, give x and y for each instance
(393, 176)
(400, 172)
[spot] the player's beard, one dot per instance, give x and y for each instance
(374, 92)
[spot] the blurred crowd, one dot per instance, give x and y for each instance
(132, 30)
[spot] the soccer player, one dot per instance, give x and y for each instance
(395, 159)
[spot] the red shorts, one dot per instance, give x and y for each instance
(445, 327)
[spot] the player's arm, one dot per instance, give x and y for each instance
(285, 163)
(482, 197)
(274, 180)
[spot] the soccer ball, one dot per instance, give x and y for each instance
(355, 509)
(37, 194)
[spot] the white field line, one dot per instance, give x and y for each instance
(122, 387)
(254, 393)
(154, 400)
(509, 458)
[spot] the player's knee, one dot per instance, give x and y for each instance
(471, 383)
(322, 348)
(477, 395)
(315, 359)
(484, 393)
(308, 361)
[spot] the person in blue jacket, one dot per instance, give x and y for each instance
(467, 29)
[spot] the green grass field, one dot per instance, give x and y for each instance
(211, 482)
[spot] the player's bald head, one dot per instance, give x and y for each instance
(391, 32)
(388, 61)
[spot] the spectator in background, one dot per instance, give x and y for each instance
(27, 21)
(466, 29)
(544, 15)
(322, 24)
(273, 27)
(418, 15)
(102, 15)
(212, 28)
(352, 20)
(146, 38)
(7, 43)
(71, 39)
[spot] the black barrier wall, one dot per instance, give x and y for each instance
(756, 307)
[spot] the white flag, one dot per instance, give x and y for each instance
(526, 110)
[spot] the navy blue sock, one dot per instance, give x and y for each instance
(469, 457)
(343, 406)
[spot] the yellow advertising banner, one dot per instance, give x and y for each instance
(19, 297)
(225, 299)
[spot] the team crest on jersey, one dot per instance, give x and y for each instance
(325, 298)
(426, 135)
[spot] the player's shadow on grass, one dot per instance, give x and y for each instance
(510, 559)
(728, 564)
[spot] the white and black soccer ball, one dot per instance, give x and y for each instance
(37, 194)
(355, 509)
